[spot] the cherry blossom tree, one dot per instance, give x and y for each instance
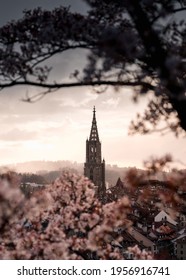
(67, 221)
(63, 221)
(140, 44)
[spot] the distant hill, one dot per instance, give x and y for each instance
(50, 170)
(45, 166)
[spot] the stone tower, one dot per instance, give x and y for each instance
(94, 167)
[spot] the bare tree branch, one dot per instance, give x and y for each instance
(77, 84)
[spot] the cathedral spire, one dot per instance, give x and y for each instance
(94, 111)
(94, 131)
(94, 167)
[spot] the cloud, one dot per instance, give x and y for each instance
(17, 135)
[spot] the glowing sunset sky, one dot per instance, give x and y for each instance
(56, 127)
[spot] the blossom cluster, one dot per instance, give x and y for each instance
(63, 221)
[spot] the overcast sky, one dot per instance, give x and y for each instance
(56, 127)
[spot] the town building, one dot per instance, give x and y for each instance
(180, 245)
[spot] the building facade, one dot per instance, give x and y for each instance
(94, 167)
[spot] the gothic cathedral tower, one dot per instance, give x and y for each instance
(94, 167)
